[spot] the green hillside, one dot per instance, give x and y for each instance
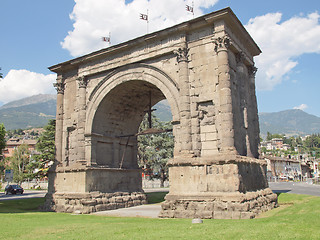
(289, 122)
(163, 111)
(29, 112)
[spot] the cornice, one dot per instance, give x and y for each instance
(225, 14)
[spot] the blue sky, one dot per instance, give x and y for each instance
(40, 33)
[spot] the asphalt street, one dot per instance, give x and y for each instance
(287, 187)
(295, 187)
(26, 194)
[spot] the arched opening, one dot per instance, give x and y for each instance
(116, 108)
(117, 122)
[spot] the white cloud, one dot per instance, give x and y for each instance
(301, 107)
(281, 44)
(94, 19)
(18, 84)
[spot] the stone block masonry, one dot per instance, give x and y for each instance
(86, 203)
(220, 206)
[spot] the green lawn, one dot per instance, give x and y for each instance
(298, 217)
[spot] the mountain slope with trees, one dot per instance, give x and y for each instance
(289, 122)
(29, 112)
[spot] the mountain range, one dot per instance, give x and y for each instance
(35, 111)
(291, 122)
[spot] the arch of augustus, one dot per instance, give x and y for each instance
(205, 69)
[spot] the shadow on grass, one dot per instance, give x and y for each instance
(155, 197)
(21, 205)
(33, 204)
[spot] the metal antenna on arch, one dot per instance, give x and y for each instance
(147, 21)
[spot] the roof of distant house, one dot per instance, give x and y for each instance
(17, 142)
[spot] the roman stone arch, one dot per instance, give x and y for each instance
(205, 69)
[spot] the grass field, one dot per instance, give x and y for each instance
(298, 217)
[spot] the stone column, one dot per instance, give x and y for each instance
(225, 114)
(82, 82)
(184, 85)
(255, 130)
(244, 101)
(59, 85)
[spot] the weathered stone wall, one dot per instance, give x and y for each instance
(113, 180)
(73, 181)
(94, 179)
(220, 206)
(234, 174)
(85, 203)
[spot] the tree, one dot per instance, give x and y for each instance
(312, 145)
(2, 146)
(271, 136)
(312, 141)
(19, 161)
(155, 150)
(2, 139)
(1, 74)
(46, 146)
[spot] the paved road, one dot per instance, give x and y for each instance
(296, 187)
(26, 194)
(147, 211)
(289, 187)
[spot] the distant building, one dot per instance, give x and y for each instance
(285, 147)
(275, 144)
(279, 168)
(13, 143)
(285, 169)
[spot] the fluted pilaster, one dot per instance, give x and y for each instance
(60, 86)
(185, 114)
(225, 116)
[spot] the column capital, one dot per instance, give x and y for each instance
(182, 54)
(252, 70)
(59, 86)
(222, 43)
(82, 81)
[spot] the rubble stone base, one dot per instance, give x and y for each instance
(86, 203)
(224, 206)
